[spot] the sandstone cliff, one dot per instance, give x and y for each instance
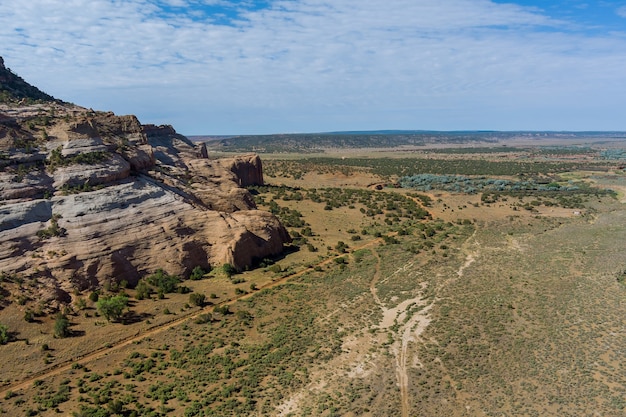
(88, 197)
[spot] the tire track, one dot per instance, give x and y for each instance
(410, 330)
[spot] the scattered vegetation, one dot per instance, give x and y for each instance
(54, 230)
(56, 158)
(499, 311)
(390, 168)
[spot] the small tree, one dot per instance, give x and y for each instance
(229, 270)
(29, 316)
(163, 281)
(197, 273)
(62, 326)
(4, 334)
(142, 290)
(112, 307)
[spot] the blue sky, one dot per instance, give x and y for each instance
(274, 66)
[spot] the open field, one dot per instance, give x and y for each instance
(391, 302)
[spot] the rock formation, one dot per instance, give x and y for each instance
(89, 197)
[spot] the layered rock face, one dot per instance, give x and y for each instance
(88, 197)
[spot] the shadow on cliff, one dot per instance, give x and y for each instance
(263, 262)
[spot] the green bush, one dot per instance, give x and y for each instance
(4, 334)
(197, 273)
(197, 299)
(204, 318)
(62, 326)
(163, 281)
(53, 230)
(29, 316)
(142, 290)
(229, 270)
(112, 307)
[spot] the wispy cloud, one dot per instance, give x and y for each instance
(302, 65)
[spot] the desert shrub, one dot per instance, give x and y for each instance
(163, 281)
(4, 334)
(229, 270)
(244, 316)
(62, 326)
(29, 316)
(53, 230)
(225, 309)
(204, 318)
(182, 289)
(197, 273)
(56, 158)
(116, 407)
(390, 240)
(92, 412)
(197, 299)
(341, 247)
(81, 304)
(195, 409)
(142, 290)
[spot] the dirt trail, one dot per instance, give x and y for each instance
(375, 279)
(99, 353)
(410, 329)
(470, 255)
(408, 319)
(411, 333)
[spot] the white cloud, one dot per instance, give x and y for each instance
(621, 11)
(306, 63)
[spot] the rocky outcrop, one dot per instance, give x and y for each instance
(247, 168)
(100, 197)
